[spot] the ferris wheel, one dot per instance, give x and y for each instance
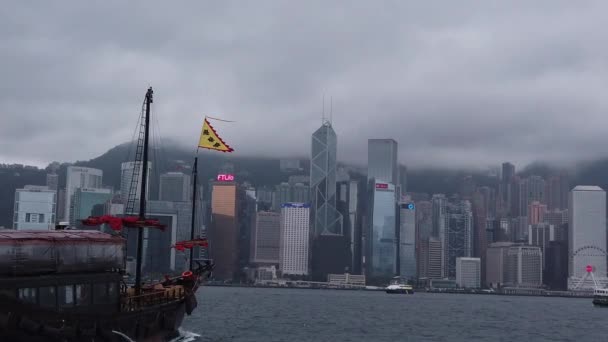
(588, 274)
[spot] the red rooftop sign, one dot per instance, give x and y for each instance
(381, 186)
(225, 177)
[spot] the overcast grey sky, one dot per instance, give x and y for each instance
(454, 82)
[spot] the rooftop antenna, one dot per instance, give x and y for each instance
(331, 109)
(323, 111)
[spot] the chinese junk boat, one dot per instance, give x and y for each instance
(68, 285)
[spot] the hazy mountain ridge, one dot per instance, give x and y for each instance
(259, 171)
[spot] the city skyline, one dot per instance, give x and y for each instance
(510, 231)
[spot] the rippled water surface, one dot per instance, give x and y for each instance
(255, 314)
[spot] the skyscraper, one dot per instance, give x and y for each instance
(224, 229)
(382, 160)
(34, 208)
(458, 236)
(381, 253)
(326, 218)
(586, 235)
(295, 225)
(80, 177)
(175, 187)
(266, 238)
(126, 172)
(407, 240)
(440, 221)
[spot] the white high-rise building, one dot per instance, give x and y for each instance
(35, 208)
(468, 272)
(126, 172)
(586, 236)
(295, 228)
(80, 177)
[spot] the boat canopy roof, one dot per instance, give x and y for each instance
(57, 236)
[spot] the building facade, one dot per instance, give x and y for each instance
(159, 256)
(79, 177)
(325, 217)
(52, 181)
(407, 240)
(429, 259)
(381, 255)
(127, 170)
(266, 238)
(85, 201)
(34, 208)
(224, 229)
(382, 160)
(468, 273)
(294, 246)
(530, 189)
(175, 187)
(586, 235)
(524, 267)
(540, 235)
(496, 260)
(458, 236)
(536, 212)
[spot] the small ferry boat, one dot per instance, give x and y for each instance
(398, 285)
(600, 297)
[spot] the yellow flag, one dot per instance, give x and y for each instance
(210, 139)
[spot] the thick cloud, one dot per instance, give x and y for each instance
(455, 83)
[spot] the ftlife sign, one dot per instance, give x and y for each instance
(225, 177)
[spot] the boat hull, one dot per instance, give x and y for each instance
(154, 324)
(600, 302)
(400, 291)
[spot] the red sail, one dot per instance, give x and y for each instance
(116, 223)
(183, 245)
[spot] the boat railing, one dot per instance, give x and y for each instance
(154, 297)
